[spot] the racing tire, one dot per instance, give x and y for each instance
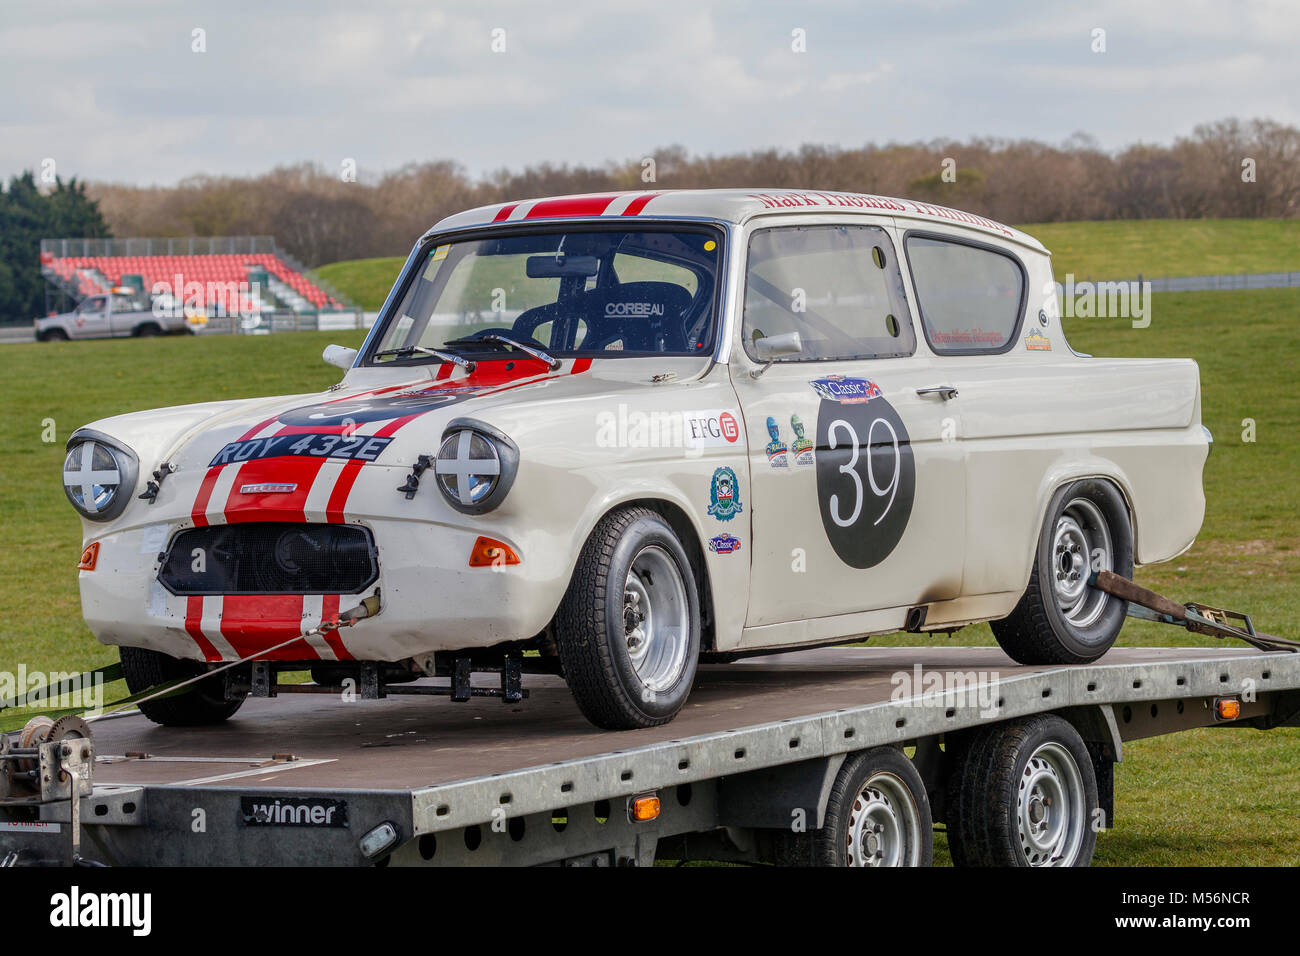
(199, 704)
(1024, 793)
(878, 814)
(53, 335)
(1060, 618)
(628, 627)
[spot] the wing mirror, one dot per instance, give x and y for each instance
(772, 347)
(340, 356)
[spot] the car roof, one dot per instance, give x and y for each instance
(735, 206)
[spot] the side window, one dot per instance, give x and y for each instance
(970, 297)
(839, 287)
(95, 304)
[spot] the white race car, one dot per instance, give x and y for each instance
(610, 435)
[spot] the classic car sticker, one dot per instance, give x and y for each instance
(776, 449)
(1036, 341)
(310, 445)
(802, 447)
(847, 391)
(724, 544)
(724, 495)
(866, 478)
(711, 428)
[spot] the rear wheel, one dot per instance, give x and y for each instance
(1061, 619)
(1024, 794)
(628, 629)
(147, 330)
(203, 702)
(877, 814)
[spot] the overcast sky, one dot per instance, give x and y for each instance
(114, 90)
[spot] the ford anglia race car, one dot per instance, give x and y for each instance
(608, 436)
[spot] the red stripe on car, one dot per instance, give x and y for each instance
(504, 212)
(576, 206)
(329, 613)
(194, 627)
(636, 205)
(199, 514)
(254, 622)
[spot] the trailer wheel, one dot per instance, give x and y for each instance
(877, 815)
(200, 703)
(628, 629)
(1026, 797)
(1060, 619)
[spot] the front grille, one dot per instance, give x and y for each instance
(267, 557)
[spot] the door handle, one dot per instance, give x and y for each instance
(946, 392)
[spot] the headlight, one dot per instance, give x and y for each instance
(475, 466)
(98, 475)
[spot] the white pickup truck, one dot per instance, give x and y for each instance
(114, 314)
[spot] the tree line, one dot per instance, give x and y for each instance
(1230, 168)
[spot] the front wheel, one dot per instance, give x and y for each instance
(203, 702)
(1061, 619)
(628, 629)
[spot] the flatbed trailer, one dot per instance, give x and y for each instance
(747, 772)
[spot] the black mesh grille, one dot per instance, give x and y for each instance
(268, 557)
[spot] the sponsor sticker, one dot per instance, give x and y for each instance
(314, 445)
(1036, 341)
(711, 428)
(724, 544)
(776, 449)
(802, 447)
(318, 812)
(845, 390)
(724, 495)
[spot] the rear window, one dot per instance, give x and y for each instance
(970, 297)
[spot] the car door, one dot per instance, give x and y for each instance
(856, 484)
(90, 320)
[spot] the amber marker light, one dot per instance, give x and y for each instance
(89, 557)
(1227, 708)
(644, 808)
(489, 552)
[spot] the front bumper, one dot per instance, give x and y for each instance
(430, 600)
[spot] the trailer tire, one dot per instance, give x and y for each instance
(877, 814)
(1061, 619)
(628, 628)
(1026, 796)
(201, 703)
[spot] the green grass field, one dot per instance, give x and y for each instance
(1195, 798)
(1118, 249)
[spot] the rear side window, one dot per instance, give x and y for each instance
(970, 297)
(839, 287)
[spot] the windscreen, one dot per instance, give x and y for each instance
(579, 292)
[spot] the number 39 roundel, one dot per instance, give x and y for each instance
(866, 477)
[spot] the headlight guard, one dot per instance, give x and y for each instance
(475, 466)
(99, 475)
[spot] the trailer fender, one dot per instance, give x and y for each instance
(790, 797)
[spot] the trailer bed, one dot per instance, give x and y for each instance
(430, 765)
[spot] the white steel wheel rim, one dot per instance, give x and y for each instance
(884, 824)
(1081, 531)
(656, 618)
(1050, 811)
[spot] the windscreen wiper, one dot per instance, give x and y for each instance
(497, 338)
(451, 357)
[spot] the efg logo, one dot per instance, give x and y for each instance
(76, 909)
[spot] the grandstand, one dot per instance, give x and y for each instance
(225, 276)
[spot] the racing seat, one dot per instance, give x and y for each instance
(642, 316)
